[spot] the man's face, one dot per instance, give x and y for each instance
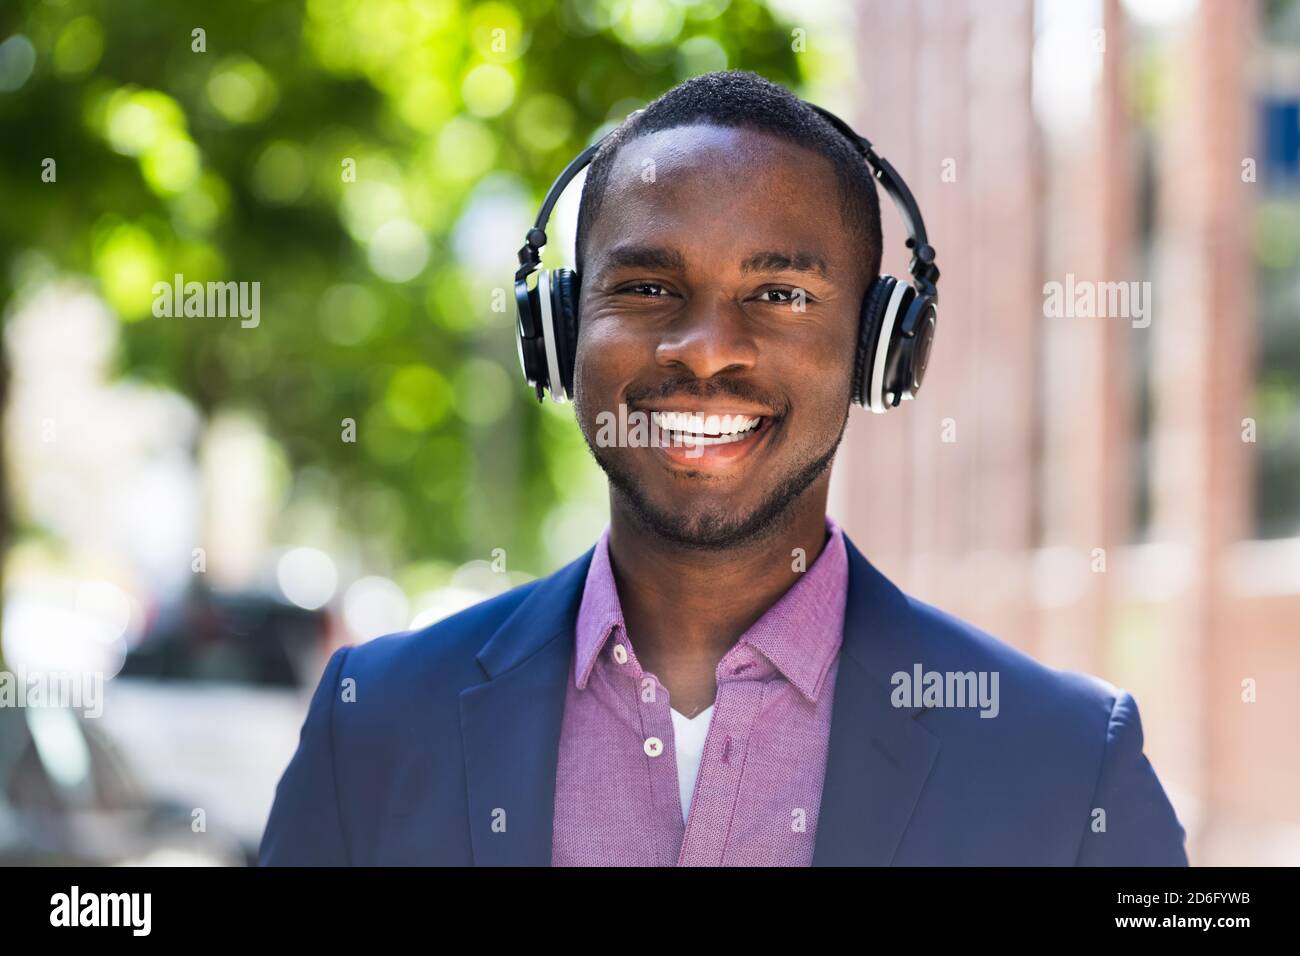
(720, 281)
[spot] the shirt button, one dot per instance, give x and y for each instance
(653, 746)
(620, 653)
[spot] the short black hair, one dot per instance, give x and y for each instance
(741, 99)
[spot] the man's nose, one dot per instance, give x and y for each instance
(709, 336)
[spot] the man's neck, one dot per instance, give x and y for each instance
(684, 609)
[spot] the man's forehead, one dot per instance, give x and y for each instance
(703, 148)
(690, 185)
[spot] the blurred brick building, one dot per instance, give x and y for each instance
(1084, 487)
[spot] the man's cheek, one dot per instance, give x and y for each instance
(596, 408)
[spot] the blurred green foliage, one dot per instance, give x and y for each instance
(232, 163)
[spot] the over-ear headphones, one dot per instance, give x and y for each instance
(895, 330)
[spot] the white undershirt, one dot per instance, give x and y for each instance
(688, 740)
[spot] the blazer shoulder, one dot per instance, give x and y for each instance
(899, 632)
(1040, 708)
(960, 645)
(1063, 746)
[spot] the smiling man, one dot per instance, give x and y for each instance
(723, 679)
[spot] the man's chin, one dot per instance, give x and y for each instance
(694, 522)
(702, 529)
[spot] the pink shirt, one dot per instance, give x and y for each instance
(759, 787)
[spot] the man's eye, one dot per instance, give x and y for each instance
(787, 293)
(649, 290)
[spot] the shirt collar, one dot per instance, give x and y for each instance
(800, 634)
(600, 614)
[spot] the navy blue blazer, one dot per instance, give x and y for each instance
(439, 747)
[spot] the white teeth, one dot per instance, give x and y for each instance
(689, 439)
(713, 430)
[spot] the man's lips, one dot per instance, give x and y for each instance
(712, 442)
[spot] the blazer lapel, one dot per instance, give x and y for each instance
(510, 725)
(879, 757)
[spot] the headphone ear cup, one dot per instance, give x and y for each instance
(874, 304)
(528, 337)
(564, 297)
(917, 328)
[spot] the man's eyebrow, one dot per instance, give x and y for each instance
(644, 257)
(781, 262)
(668, 259)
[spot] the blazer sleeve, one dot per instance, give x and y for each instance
(1141, 828)
(305, 827)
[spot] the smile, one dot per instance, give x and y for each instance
(713, 443)
(693, 429)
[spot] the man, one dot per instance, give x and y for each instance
(724, 679)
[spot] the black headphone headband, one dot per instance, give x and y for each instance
(922, 266)
(529, 258)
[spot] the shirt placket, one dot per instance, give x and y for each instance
(655, 730)
(717, 786)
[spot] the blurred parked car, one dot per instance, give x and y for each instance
(246, 639)
(209, 703)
